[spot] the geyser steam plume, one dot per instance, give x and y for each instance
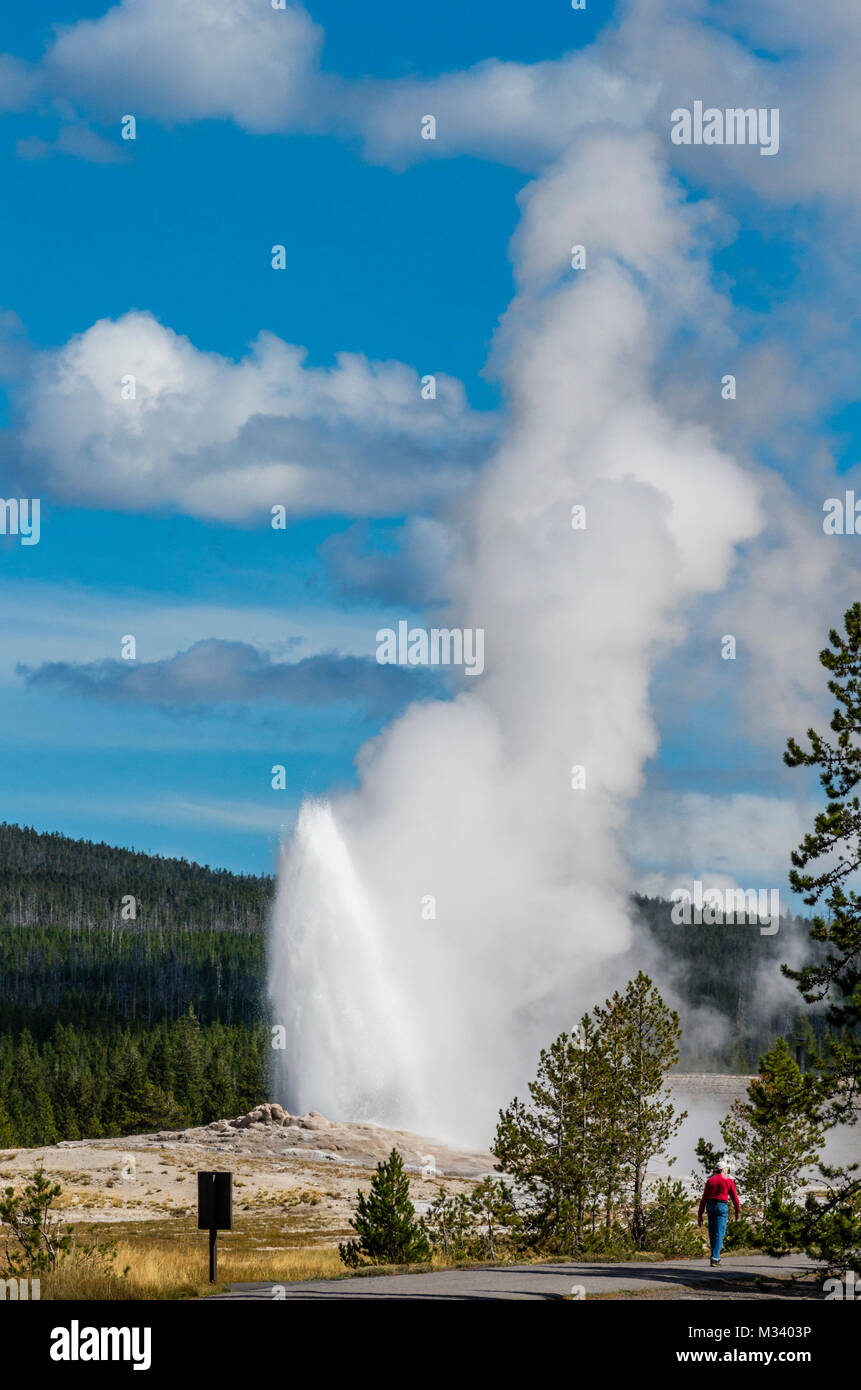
(432, 1025)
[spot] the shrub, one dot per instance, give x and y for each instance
(36, 1241)
(479, 1225)
(607, 1243)
(742, 1235)
(670, 1229)
(385, 1221)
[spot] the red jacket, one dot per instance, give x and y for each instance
(718, 1188)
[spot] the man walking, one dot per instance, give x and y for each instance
(718, 1191)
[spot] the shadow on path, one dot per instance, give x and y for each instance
(746, 1276)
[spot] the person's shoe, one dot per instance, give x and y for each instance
(713, 1263)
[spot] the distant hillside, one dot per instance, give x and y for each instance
(67, 954)
(111, 1024)
(48, 879)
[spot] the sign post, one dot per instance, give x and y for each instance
(214, 1211)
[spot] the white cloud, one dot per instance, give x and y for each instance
(229, 440)
(189, 60)
(521, 114)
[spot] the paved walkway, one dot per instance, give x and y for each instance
(736, 1278)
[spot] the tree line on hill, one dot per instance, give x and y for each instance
(131, 976)
(114, 1024)
(49, 879)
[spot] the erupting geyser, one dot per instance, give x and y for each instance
(353, 1044)
(432, 1024)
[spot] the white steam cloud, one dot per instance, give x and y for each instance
(433, 1025)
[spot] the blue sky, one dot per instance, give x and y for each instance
(398, 259)
(407, 265)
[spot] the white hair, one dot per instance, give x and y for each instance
(722, 1168)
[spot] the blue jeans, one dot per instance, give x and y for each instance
(718, 1215)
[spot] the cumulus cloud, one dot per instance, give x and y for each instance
(229, 440)
(217, 672)
(190, 60)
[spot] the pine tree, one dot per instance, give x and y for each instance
(709, 1157)
(127, 1082)
(41, 1242)
(29, 1102)
(7, 1132)
(186, 1054)
(546, 1145)
(385, 1221)
(669, 1227)
(157, 1110)
(774, 1136)
(161, 1060)
(65, 1083)
(494, 1217)
(220, 1079)
(644, 1118)
(607, 1047)
(597, 1114)
(449, 1224)
(804, 1042)
(480, 1224)
(823, 866)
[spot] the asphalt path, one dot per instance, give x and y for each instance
(735, 1278)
